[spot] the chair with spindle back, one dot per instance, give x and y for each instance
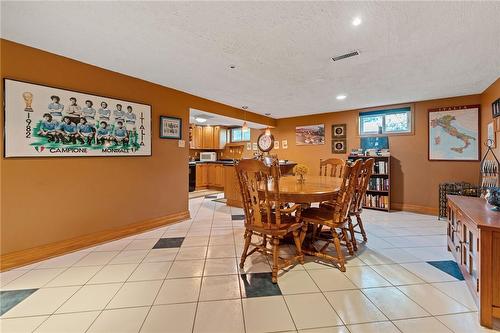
(357, 204)
(265, 215)
(332, 167)
(335, 217)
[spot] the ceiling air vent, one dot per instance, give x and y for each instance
(347, 55)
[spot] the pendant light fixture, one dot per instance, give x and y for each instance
(244, 128)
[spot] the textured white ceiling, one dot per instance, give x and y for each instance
(216, 119)
(282, 50)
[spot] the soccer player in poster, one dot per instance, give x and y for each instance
(120, 134)
(48, 128)
(85, 131)
(130, 119)
(88, 112)
(103, 133)
(118, 114)
(104, 112)
(56, 108)
(73, 110)
(67, 131)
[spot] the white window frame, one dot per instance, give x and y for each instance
(385, 111)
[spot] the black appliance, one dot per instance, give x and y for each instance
(192, 177)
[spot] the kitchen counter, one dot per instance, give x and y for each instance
(231, 162)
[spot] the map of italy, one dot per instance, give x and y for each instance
(445, 123)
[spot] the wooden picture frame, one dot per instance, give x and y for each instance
(339, 131)
(454, 133)
(495, 108)
(339, 146)
(170, 128)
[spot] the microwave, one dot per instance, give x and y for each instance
(208, 156)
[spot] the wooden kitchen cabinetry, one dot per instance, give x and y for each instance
(209, 175)
(208, 137)
(474, 241)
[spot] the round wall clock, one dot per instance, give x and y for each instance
(265, 142)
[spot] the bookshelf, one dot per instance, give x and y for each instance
(378, 194)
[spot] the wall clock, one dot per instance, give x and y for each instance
(265, 142)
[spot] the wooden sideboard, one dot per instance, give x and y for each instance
(474, 241)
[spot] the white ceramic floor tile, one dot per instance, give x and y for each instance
(151, 271)
(62, 261)
(97, 258)
(459, 291)
(191, 253)
(464, 323)
(394, 304)
(186, 268)
(353, 307)
(129, 257)
(119, 320)
(133, 294)
(397, 274)
(221, 251)
(9, 276)
(220, 287)
(141, 244)
(266, 314)
(34, 279)
(74, 276)
(42, 302)
(428, 273)
(77, 322)
(311, 311)
(20, 325)
(173, 318)
(179, 291)
(90, 297)
(195, 241)
(157, 255)
(219, 316)
(116, 245)
(222, 266)
(335, 329)
(370, 257)
(296, 282)
(432, 300)
(331, 279)
(420, 325)
(113, 273)
(365, 277)
(379, 327)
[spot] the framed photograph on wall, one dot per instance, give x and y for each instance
(339, 146)
(454, 133)
(44, 121)
(495, 108)
(491, 135)
(170, 127)
(310, 135)
(339, 131)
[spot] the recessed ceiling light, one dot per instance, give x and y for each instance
(200, 119)
(341, 97)
(356, 21)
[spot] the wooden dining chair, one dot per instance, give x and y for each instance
(332, 167)
(335, 218)
(265, 215)
(357, 203)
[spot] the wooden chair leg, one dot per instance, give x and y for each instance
(348, 241)
(340, 254)
(361, 227)
(248, 238)
(276, 252)
(353, 235)
(298, 246)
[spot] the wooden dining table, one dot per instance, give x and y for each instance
(313, 189)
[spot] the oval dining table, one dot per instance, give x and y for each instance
(313, 189)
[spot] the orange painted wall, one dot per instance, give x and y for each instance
(35, 211)
(415, 180)
(491, 94)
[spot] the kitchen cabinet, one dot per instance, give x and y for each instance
(208, 137)
(209, 175)
(201, 176)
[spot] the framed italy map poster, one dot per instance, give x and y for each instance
(454, 133)
(42, 121)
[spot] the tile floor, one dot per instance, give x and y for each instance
(185, 278)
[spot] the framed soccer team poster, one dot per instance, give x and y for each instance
(170, 127)
(42, 121)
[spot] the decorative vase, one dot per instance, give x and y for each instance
(301, 179)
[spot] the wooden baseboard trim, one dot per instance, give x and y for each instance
(414, 208)
(43, 252)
